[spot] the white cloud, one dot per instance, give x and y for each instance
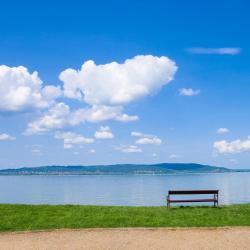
(236, 146)
(104, 133)
(233, 161)
(92, 151)
(222, 130)
(104, 88)
(118, 84)
(55, 118)
(149, 140)
(136, 134)
(60, 116)
(146, 139)
(36, 151)
(174, 156)
(6, 137)
(70, 139)
(188, 92)
(127, 118)
(100, 113)
(219, 51)
(130, 149)
(22, 91)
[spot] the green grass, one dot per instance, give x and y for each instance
(39, 217)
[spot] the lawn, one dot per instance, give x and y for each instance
(38, 217)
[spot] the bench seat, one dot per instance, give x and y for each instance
(196, 200)
(214, 199)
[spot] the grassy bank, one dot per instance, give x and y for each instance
(29, 217)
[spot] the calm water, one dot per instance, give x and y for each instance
(119, 190)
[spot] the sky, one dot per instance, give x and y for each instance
(107, 82)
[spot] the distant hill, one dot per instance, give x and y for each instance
(121, 169)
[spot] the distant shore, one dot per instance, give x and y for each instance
(119, 174)
(122, 169)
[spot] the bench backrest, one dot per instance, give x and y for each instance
(193, 191)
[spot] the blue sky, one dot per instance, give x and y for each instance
(181, 96)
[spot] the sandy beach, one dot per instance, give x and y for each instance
(141, 238)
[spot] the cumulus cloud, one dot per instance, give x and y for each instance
(104, 89)
(37, 152)
(222, 130)
(149, 140)
(127, 118)
(218, 51)
(188, 92)
(175, 156)
(36, 149)
(136, 134)
(236, 146)
(60, 116)
(129, 149)
(22, 91)
(104, 133)
(233, 160)
(70, 139)
(6, 137)
(101, 113)
(55, 118)
(118, 84)
(146, 139)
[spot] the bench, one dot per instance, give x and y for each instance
(214, 199)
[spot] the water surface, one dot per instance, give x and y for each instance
(127, 190)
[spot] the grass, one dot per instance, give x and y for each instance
(40, 217)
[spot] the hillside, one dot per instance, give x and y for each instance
(161, 168)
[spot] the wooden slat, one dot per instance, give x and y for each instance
(196, 200)
(193, 192)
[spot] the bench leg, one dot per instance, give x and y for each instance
(168, 202)
(216, 202)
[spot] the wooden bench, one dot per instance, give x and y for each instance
(214, 199)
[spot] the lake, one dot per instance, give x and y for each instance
(127, 190)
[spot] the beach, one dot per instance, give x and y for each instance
(129, 238)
